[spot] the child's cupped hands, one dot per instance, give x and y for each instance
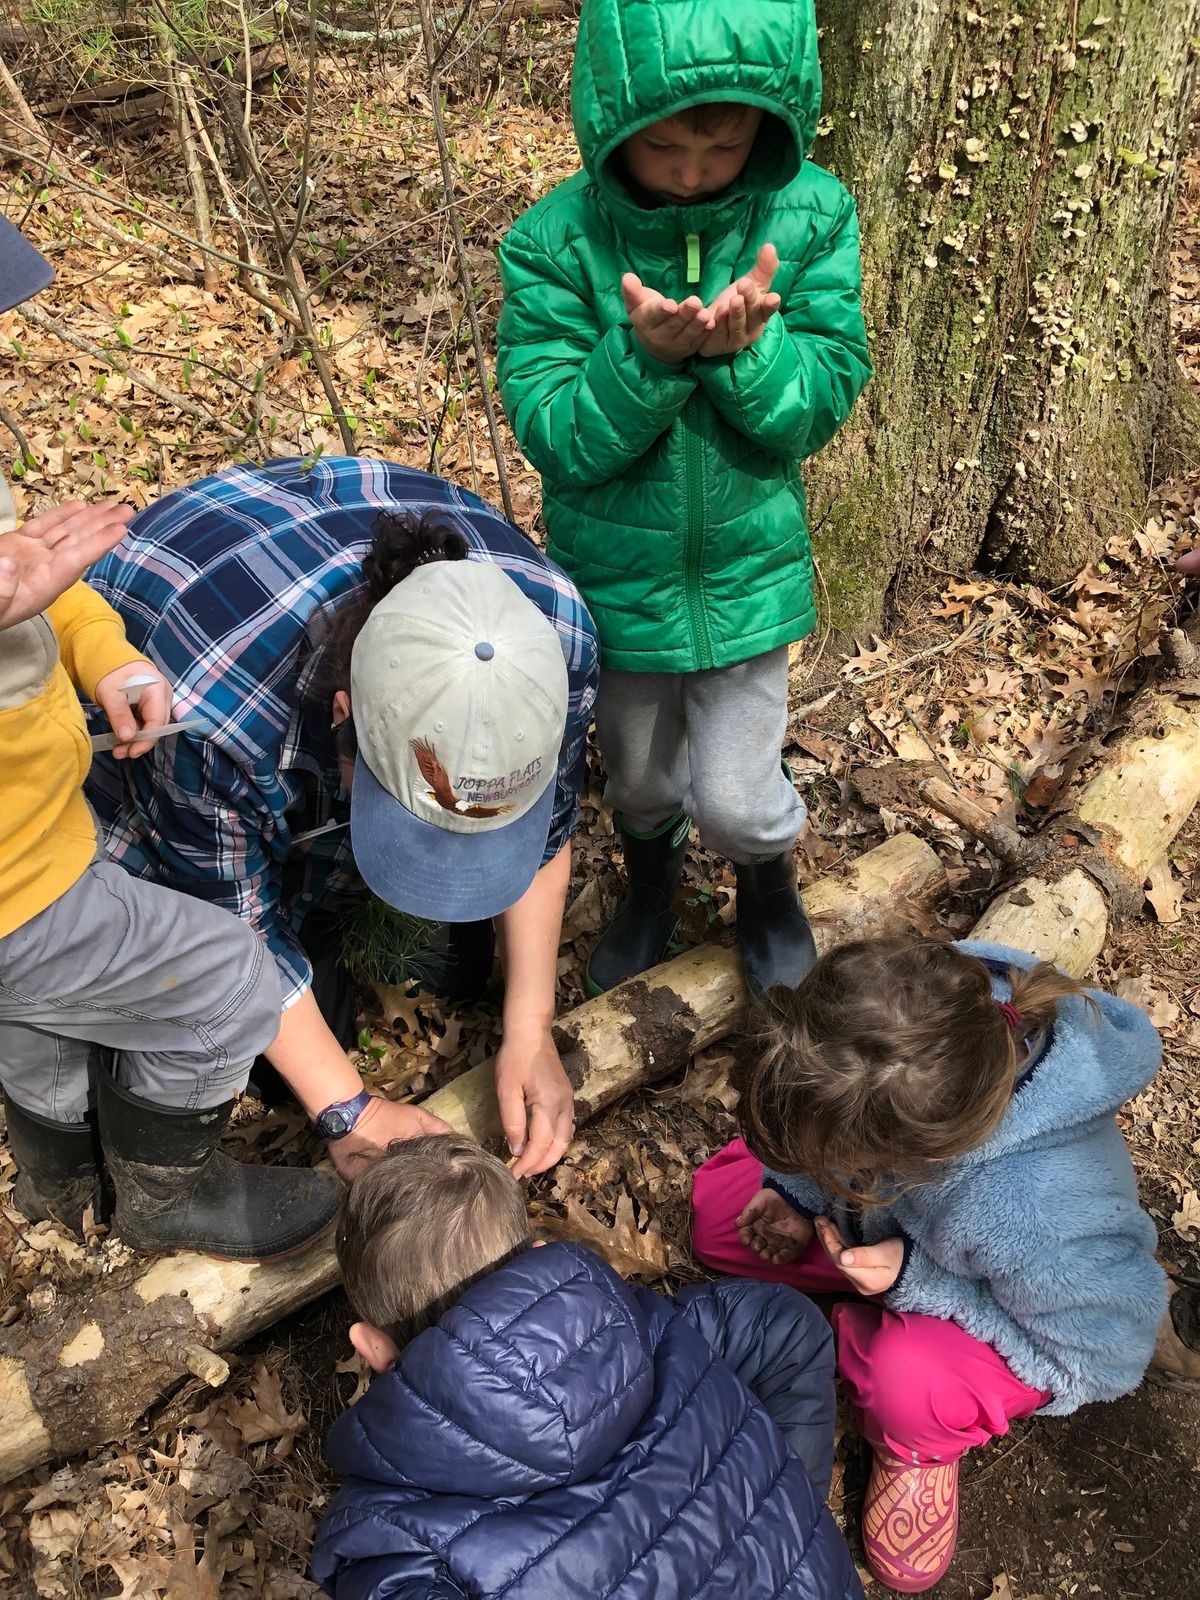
(871, 1268)
(672, 331)
(772, 1229)
(742, 311)
(668, 330)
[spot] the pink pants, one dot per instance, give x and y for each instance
(920, 1387)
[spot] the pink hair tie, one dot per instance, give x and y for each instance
(1011, 1015)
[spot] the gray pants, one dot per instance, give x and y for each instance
(709, 742)
(183, 993)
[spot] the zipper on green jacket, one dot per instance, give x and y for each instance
(693, 258)
(693, 549)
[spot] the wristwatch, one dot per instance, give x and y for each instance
(339, 1119)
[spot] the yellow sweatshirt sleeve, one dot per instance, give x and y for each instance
(91, 637)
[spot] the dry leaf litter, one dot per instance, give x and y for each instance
(1005, 689)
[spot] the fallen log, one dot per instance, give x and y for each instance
(1097, 858)
(124, 100)
(86, 1363)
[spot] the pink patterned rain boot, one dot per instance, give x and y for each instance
(910, 1521)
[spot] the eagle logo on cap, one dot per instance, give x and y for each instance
(440, 787)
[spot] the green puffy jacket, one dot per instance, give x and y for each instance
(672, 495)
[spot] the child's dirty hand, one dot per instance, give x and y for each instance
(742, 311)
(871, 1268)
(772, 1229)
(665, 329)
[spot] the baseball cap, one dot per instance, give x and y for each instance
(459, 692)
(23, 270)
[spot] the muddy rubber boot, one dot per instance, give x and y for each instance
(58, 1166)
(639, 934)
(176, 1191)
(773, 931)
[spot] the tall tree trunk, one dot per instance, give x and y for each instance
(1016, 169)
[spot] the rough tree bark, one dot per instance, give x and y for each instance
(1016, 169)
(84, 1365)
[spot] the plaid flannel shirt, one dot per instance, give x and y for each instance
(228, 586)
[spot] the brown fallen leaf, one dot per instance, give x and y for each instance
(868, 659)
(267, 1415)
(708, 1080)
(1158, 1006)
(624, 1246)
(354, 1364)
(1164, 892)
(1002, 1589)
(397, 1005)
(585, 914)
(1186, 1220)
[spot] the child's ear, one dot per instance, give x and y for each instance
(378, 1349)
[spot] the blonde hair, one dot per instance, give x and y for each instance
(891, 1057)
(425, 1220)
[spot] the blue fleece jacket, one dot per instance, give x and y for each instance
(1035, 1242)
(562, 1435)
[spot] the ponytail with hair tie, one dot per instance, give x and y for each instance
(401, 541)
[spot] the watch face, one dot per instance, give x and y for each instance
(335, 1123)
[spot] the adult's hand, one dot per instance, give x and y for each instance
(536, 1102)
(319, 1073)
(1189, 563)
(50, 552)
(533, 1091)
(152, 710)
(380, 1125)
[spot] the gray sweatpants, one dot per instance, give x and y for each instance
(709, 742)
(183, 993)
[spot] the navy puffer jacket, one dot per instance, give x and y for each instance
(562, 1435)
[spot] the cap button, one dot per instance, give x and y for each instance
(484, 650)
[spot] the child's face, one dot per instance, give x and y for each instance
(679, 167)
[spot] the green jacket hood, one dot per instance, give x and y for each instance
(637, 61)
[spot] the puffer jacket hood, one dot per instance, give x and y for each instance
(636, 63)
(466, 1410)
(561, 1433)
(672, 493)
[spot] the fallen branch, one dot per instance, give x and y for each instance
(14, 427)
(907, 785)
(535, 10)
(131, 99)
(85, 1367)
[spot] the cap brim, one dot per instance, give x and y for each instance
(427, 871)
(23, 270)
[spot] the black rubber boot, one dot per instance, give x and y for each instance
(638, 936)
(58, 1166)
(176, 1191)
(773, 931)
